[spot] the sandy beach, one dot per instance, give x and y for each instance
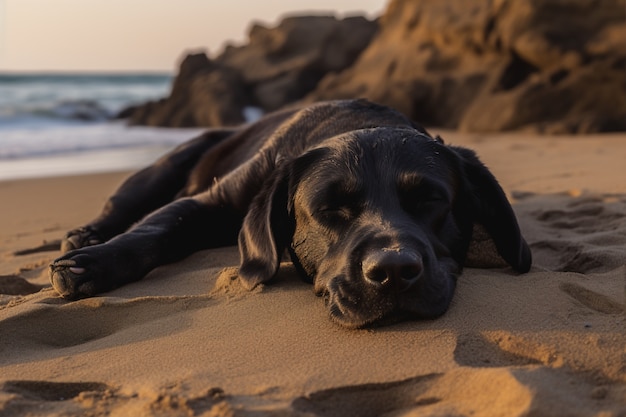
(188, 341)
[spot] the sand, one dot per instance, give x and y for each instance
(188, 341)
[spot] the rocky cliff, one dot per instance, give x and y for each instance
(276, 67)
(480, 65)
(475, 65)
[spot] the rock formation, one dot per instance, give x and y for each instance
(480, 65)
(277, 66)
(555, 66)
(203, 94)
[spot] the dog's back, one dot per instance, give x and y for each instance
(288, 133)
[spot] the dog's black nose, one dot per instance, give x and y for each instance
(387, 268)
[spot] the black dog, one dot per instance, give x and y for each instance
(376, 213)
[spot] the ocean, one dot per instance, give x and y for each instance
(59, 124)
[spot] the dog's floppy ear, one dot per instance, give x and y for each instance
(266, 231)
(491, 209)
(269, 225)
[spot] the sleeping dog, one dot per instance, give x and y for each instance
(377, 214)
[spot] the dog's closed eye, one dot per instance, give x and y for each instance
(337, 201)
(424, 199)
(339, 212)
(333, 211)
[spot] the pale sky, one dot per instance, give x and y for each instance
(136, 35)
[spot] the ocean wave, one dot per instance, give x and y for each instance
(71, 110)
(32, 140)
(75, 97)
(61, 123)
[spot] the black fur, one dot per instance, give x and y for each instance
(376, 213)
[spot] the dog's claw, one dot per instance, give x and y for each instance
(70, 280)
(62, 280)
(63, 263)
(79, 238)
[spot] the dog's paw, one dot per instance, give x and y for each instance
(76, 276)
(80, 238)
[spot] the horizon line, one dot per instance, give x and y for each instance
(85, 72)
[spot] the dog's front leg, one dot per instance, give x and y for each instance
(169, 234)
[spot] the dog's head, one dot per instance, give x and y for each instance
(380, 220)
